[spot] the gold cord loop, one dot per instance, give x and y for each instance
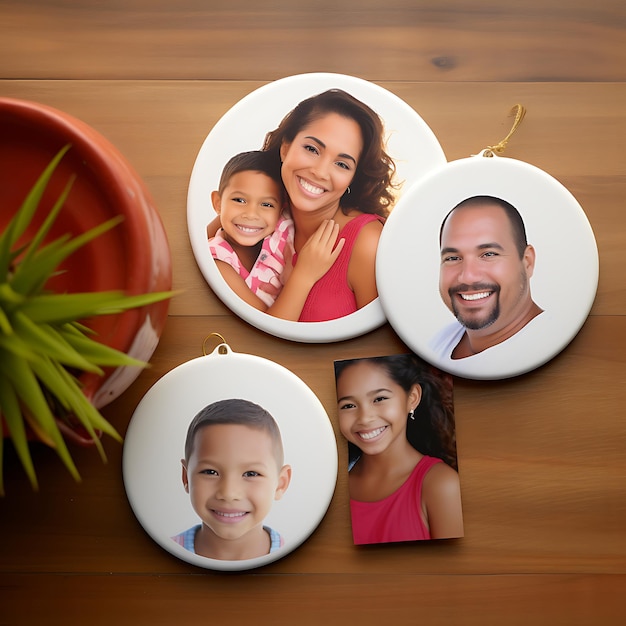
(222, 348)
(519, 112)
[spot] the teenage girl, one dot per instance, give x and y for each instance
(396, 413)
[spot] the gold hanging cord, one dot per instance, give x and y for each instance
(222, 348)
(519, 112)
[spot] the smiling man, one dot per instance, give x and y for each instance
(486, 266)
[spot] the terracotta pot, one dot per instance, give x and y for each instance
(134, 256)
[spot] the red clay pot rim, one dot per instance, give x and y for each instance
(123, 183)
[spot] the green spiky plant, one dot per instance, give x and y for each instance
(43, 345)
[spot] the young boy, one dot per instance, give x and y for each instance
(233, 470)
(249, 248)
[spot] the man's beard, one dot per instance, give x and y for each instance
(472, 322)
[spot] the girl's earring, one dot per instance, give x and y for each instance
(348, 190)
(412, 414)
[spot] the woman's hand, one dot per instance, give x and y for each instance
(314, 260)
(319, 253)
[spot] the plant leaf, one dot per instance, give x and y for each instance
(69, 396)
(78, 329)
(99, 353)
(53, 260)
(37, 241)
(30, 394)
(59, 308)
(5, 324)
(24, 215)
(30, 277)
(12, 344)
(67, 307)
(134, 302)
(44, 339)
(12, 414)
(89, 410)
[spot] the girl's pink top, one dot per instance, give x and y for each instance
(396, 517)
(331, 296)
(264, 279)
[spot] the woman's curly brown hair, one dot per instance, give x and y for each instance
(371, 190)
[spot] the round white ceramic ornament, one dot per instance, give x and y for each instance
(155, 441)
(418, 276)
(409, 141)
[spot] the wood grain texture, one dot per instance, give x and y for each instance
(541, 456)
(397, 40)
(310, 600)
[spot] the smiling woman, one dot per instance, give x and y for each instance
(317, 172)
(335, 171)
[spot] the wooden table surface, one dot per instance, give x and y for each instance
(542, 456)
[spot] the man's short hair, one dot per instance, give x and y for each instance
(518, 229)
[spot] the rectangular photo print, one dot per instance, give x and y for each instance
(396, 413)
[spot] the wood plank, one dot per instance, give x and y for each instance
(403, 599)
(242, 40)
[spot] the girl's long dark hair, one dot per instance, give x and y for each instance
(432, 431)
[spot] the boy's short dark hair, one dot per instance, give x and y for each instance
(235, 411)
(253, 161)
